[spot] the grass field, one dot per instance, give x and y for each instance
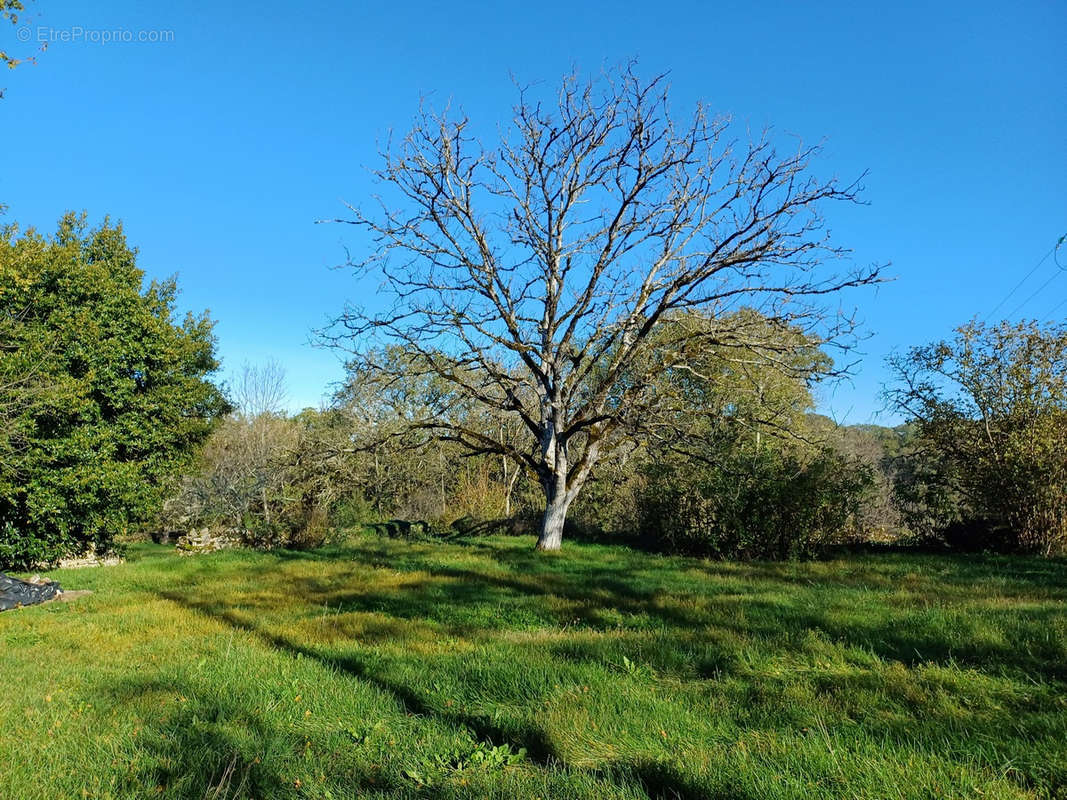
(481, 669)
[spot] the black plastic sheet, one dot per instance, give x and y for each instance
(15, 593)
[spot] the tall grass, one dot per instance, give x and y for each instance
(481, 669)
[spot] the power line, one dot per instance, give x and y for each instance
(1056, 308)
(1024, 280)
(1035, 294)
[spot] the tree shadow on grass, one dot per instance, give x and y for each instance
(1023, 646)
(529, 738)
(853, 604)
(875, 623)
(210, 747)
(664, 782)
(656, 780)
(421, 594)
(840, 606)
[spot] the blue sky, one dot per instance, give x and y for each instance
(221, 147)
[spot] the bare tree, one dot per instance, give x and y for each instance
(260, 389)
(530, 276)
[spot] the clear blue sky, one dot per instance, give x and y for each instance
(219, 149)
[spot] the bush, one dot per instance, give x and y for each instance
(282, 481)
(351, 512)
(766, 505)
(21, 551)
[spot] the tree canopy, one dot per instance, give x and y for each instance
(106, 394)
(989, 454)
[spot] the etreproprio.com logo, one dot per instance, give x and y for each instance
(45, 35)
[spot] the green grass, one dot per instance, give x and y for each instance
(481, 669)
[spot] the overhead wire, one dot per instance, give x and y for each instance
(1056, 308)
(1037, 291)
(1052, 252)
(1063, 267)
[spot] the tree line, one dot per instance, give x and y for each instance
(610, 320)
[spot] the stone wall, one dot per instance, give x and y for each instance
(89, 559)
(206, 540)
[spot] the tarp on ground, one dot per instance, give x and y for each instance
(15, 593)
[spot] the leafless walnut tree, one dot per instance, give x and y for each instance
(535, 277)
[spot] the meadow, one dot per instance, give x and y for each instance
(478, 668)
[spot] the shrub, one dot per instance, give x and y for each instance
(22, 551)
(351, 511)
(766, 505)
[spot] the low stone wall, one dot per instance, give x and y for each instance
(89, 559)
(206, 540)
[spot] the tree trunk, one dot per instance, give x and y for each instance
(558, 500)
(509, 490)
(444, 495)
(377, 484)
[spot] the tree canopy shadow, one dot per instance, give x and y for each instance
(514, 733)
(596, 593)
(532, 740)
(595, 610)
(196, 753)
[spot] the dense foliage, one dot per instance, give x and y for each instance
(766, 504)
(104, 394)
(274, 479)
(734, 463)
(753, 477)
(731, 463)
(987, 463)
(747, 473)
(269, 479)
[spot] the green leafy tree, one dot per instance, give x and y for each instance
(989, 453)
(753, 476)
(112, 396)
(412, 465)
(877, 448)
(741, 378)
